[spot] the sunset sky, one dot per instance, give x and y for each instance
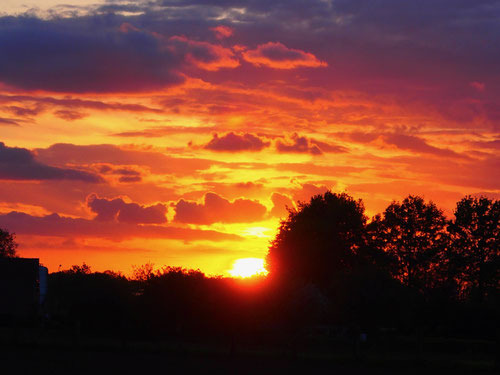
(176, 132)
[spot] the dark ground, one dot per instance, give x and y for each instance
(35, 352)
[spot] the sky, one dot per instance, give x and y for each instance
(178, 132)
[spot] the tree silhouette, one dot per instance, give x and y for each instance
(476, 245)
(8, 245)
(413, 236)
(319, 239)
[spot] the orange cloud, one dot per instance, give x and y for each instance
(222, 32)
(217, 209)
(232, 142)
(277, 55)
(204, 55)
(281, 203)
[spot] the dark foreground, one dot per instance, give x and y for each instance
(20, 354)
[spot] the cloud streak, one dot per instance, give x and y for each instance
(55, 225)
(20, 164)
(276, 55)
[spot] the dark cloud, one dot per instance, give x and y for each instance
(24, 109)
(298, 144)
(55, 225)
(416, 144)
(88, 54)
(328, 147)
(118, 210)
(67, 104)
(216, 209)
(126, 174)
(20, 164)
(384, 47)
(8, 122)
(232, 142)
(491, 145)
(403, 142)
(69, 115)
(130, 179)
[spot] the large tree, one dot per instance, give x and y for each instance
(318, 240)
(8, 245)
(412, 234)
(475, 233)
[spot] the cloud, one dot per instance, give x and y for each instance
(300, 145)
(307, 190)
(8, 122)
(416, 144)
(328, 147)
(479, 86)
(204, 55)
(277, 55)
(492, 145)
(67, 105)
(20, 164)
(162, 131)
(130, 179)
(83, 55)
(95, 154)
(232, 142)
(280, 204)
(216, 209)
(222, 32)
(119, 210)
(125, 173)
(55, 225)
(69, 115)
(403, 142)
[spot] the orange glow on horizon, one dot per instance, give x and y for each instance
(248, 267)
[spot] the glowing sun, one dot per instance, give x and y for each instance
(247, 267)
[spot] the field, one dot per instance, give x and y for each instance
(46, 351)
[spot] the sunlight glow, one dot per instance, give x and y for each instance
(261, 232)
(247, 267)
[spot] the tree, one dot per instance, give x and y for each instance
(8, 245)
(413, 236)
(475, 235)
(319, 239)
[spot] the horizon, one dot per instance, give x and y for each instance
(177, 132)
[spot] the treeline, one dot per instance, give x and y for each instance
(329, 265)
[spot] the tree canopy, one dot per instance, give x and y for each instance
(412, 234)
(319, 239)
(476, 245)
(8, 245)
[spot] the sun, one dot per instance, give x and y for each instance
(247, 267)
